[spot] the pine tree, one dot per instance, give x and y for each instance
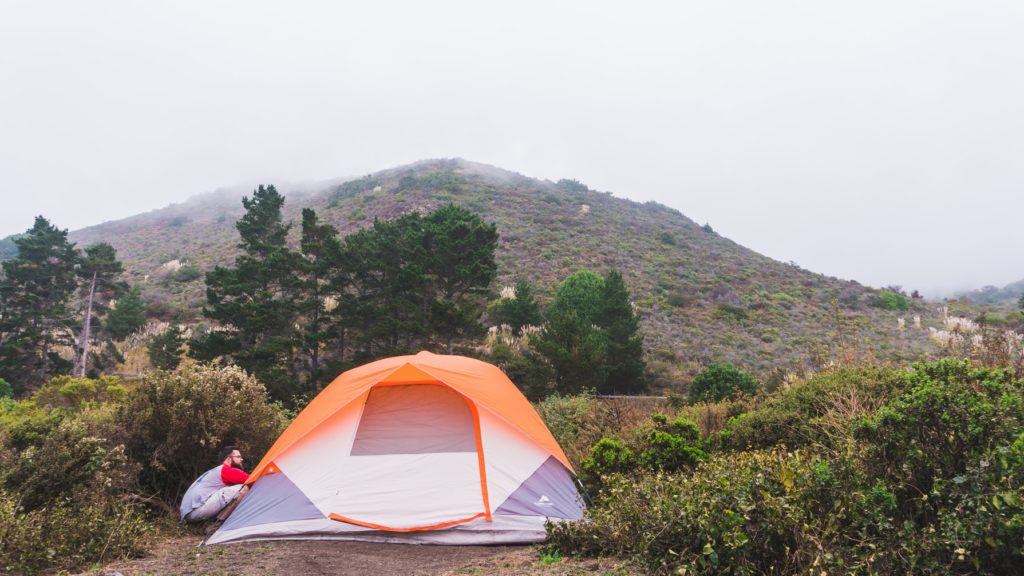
(460, 250)
(388, 299)
(519, 311)
(98, 274)
(576, 351)
(127, 315)
(571, 342)
(165, 348)
(252, 300)
(315, 295)
(625, 344)
(35, 316)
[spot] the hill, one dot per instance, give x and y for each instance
(1006, 297)
(701, 296)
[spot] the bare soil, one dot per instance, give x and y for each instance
(181, 555)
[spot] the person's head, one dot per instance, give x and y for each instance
(230, 456)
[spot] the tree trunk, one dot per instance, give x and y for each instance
(83, 361)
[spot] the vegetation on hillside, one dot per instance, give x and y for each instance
(699, 297)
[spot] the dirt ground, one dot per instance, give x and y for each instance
(182, 555)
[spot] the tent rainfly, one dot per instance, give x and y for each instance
(418, 449)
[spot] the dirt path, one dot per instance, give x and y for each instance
(183, 555)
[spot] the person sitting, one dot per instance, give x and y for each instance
(217, 491)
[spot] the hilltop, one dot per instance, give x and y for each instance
(701, 296)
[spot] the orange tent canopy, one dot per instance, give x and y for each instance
(482, 383)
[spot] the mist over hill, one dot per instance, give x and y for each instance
(701, 296)
(1008, 296)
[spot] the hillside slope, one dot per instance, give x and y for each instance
(701, 296)
(1008, 296)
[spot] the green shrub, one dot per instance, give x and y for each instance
(669, 452)
(671, 446)
(73, 456)
(65, 481)
(889, 300)
(6, 391)
(609, 456)
(981, 513)
(816, 410)
(765, 512)
(69, 534)
(187, 273)
(726, 311)
(76, 394)
(951, 415)
(571, 418)
(720, 381)
(174, 423)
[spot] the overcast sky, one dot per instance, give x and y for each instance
(876, 141)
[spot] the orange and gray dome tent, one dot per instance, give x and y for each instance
(420, 449)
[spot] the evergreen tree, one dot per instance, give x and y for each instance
(165, 348)
(35, 316)
(252, 300)
(315, 295)
(581, 292)
(127, 315)
(98, 274)
(460, 263)
(571, 342)
(625, 344)
(519, 311)
(576, 351)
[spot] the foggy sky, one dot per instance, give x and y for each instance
(876, 141)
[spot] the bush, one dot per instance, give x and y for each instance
(817, 410)
(174, 423)
(764, 512)
(918, 472)
(949, 417)
(607, 457)
(6, 391)
(65, 484)
(69, 534)
(672, 446)
(719, 382)
(889, 300)
(981, 513)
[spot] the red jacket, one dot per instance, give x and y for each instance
(232, 476)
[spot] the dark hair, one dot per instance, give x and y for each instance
(226, 451)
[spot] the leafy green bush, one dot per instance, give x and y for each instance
(720, 381)
(916, 472)
(889, 300)
(951, 414)
(75, 394)
(65, 483)
(6, 391)
(607, 457)
(815, 410)
(672, 446)
(981, 513)
(763, 512)
(187, 273)
(174, 423)
(69, 534)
